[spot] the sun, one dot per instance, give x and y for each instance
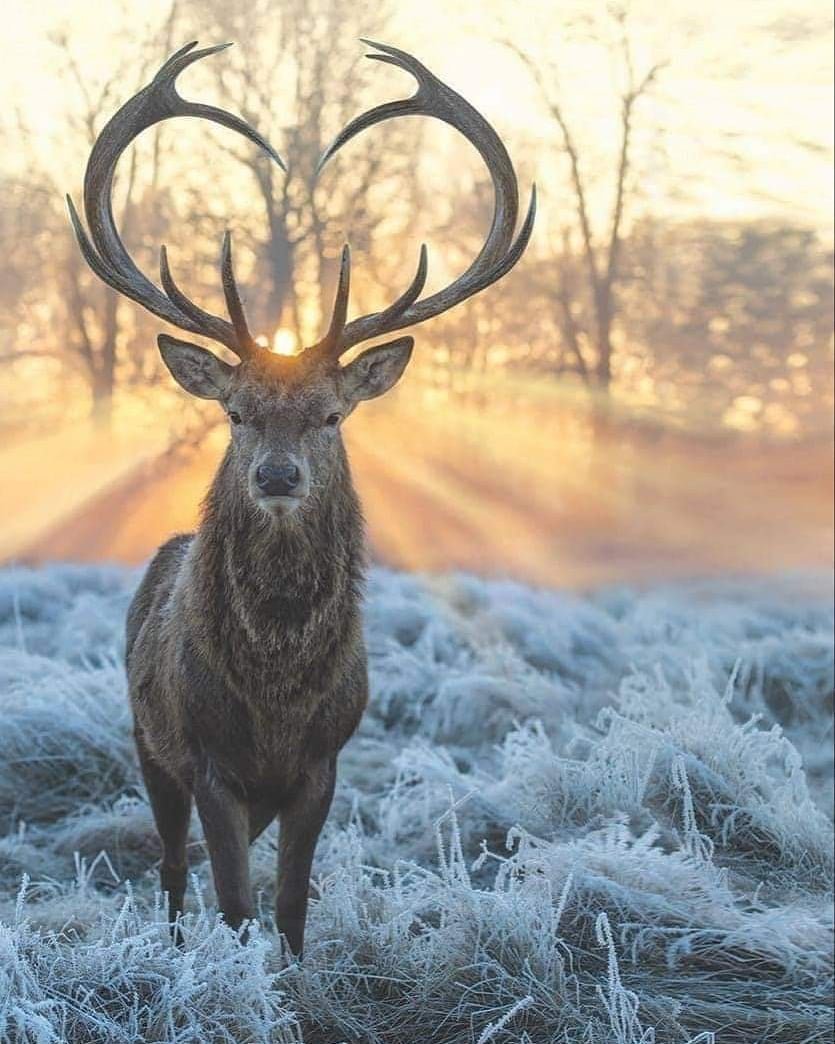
(284, 342)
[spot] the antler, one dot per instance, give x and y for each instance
(103, 249)
(500, 251)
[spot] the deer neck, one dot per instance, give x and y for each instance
(254, 571)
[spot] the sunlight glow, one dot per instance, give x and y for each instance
(284, 342)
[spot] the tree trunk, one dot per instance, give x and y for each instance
(280, 264)
(101, 412)
(104, 377)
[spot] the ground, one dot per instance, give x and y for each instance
(571, 819)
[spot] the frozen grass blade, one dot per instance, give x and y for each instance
(607, 822)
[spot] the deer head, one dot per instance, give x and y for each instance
(286, 412)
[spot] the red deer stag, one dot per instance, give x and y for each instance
(245, 658)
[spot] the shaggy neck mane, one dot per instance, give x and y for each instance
(273, 587)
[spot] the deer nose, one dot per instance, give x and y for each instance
(277, 480)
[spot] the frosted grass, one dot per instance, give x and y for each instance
(603, 820)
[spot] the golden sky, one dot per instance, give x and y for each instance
(741, 125)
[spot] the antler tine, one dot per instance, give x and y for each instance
(245, 344)
(200, 319)
(340, 303)
(103, 248)
(102, 270)
(412, 291)
(332, 344)
(234, 305)
(500, 250)
(516, 249)
(386, 111)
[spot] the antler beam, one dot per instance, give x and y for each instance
(500, 251)
(103, 248)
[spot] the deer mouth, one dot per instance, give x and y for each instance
(280, 506)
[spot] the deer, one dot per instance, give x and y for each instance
(246, 665)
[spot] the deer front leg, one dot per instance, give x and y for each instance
(301, 823)
(171, 806)
(225, 819)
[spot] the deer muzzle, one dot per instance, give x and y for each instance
(279, 487)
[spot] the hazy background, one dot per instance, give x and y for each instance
(648, 394)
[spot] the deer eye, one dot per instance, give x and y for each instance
(333, 419)
(234, 417)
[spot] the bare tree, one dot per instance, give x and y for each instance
(93, 330)
(298, 77)
(298, 85)
(601, 253)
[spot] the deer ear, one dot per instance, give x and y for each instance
(375, 371)
(194, 368)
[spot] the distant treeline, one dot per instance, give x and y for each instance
(730, 322)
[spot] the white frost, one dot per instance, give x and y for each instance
(602, 820)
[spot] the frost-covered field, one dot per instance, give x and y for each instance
(563, 819)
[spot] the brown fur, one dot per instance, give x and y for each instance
(245, 657)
